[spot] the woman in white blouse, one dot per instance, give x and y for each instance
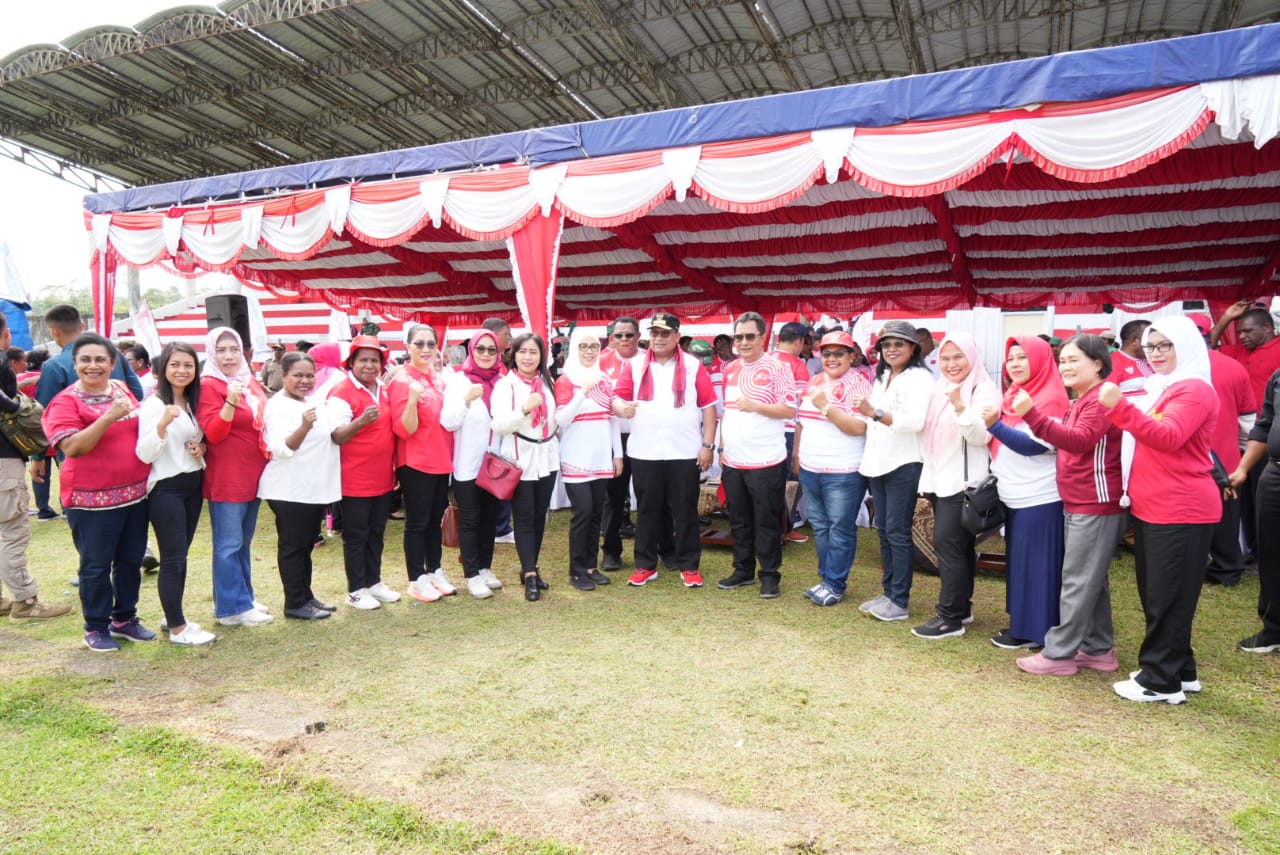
(524, 415)
(303, 475)
(170, 439)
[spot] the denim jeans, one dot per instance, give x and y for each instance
(232, 526)
(832, 501)
(894, 495)
(111, 543)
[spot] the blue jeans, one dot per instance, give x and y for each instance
(111, 543)
(832, 500)
(894, 495)
(232, 524)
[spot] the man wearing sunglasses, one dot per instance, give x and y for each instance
(624, 345)
(792, 339)
(759, 398)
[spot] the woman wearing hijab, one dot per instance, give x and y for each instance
(1175, 502)
(955, 456)
(891, 462)
(424, 461)
(468, 395)
(230, 415)
(1027, 478)
(361, 418)
(524, 415)
(590, 452)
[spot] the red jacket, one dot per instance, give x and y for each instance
(1088, 446)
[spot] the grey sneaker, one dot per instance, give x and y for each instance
(871, 604)
(887, 610)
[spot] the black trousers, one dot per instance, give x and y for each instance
(587, 500)
(364, 529)
(295, 537)
(957, 558)
(755, 498)
(1226, 561)
(615, 505)
(1170, 564)
(1268, 504)
(477, 516)
(425, 498)
(667, 504)
(1249, 508)
(174, 508)
(529, 518)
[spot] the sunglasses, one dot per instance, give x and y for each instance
(834, 354)
(749, 336)
(423, 345)
(487, 350)
(624, 335)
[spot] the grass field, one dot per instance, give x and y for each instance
(654, 720)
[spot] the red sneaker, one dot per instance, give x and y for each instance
(691, 578)
(795, 536)
(640, 577)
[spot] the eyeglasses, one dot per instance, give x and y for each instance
(834, 354)
(587, 345)
(1158, 347)
(486, 350)
(624, 335)
(746, 336)
(425, 345)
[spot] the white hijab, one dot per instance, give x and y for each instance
(579, 374)
(1193, 364)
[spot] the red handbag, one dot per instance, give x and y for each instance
(449, 528)
(498, 476)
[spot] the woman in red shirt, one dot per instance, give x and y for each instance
(1176, 502)
(230, 414)
(424, 461)
(104, 492)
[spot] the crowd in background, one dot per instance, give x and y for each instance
(1161, 438)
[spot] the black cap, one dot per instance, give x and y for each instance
(792, 330)
(664, 321)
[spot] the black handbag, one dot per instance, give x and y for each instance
(981, 509)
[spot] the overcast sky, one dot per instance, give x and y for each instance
(41, 216)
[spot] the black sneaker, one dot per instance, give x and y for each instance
(1260, 643)
(48, 515)
(599, 578)
(582, 583)
(737, 580)
(626, 530)
(1007, 641)
(611, 562)
(769, 587)
(938, 628)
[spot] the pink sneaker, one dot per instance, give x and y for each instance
(639, 577)
(1040, 664)
(1099, 662)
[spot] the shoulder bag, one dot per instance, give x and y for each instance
(24, 429)
(981, 510)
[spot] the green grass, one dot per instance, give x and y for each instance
(628, 720)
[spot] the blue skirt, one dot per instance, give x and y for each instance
(1033, 555)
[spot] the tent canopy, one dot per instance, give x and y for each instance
(1130, 175)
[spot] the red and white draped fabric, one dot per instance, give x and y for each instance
(1132, 200)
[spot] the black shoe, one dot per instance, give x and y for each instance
(149, 563)
(1224, 581)
(531, 590)
(626, 530)
(307, 612)
(769, 587)
(611, 562)
(599, 578)
(737, 580)
(1260, 643)
(1007, 641)
(582, 583)
(324, 607)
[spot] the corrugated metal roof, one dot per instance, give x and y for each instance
(251, 84)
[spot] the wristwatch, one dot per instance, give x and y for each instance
(878, 415)
(708, 446)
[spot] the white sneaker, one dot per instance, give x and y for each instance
(363, 600)
(442, 583)
(1131, 690)
(494, 583)
(873, 603)
(192, 636)
(476, 585)
(261, 607)
(383, 594)
(252, 617)
(509, 537)
(422, 589)
(1189, 687)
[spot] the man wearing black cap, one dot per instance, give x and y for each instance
(667, 395)
(759, 397)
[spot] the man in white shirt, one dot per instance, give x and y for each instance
(668, 397)
(759, 398)
(928, 350)
(624, 345)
